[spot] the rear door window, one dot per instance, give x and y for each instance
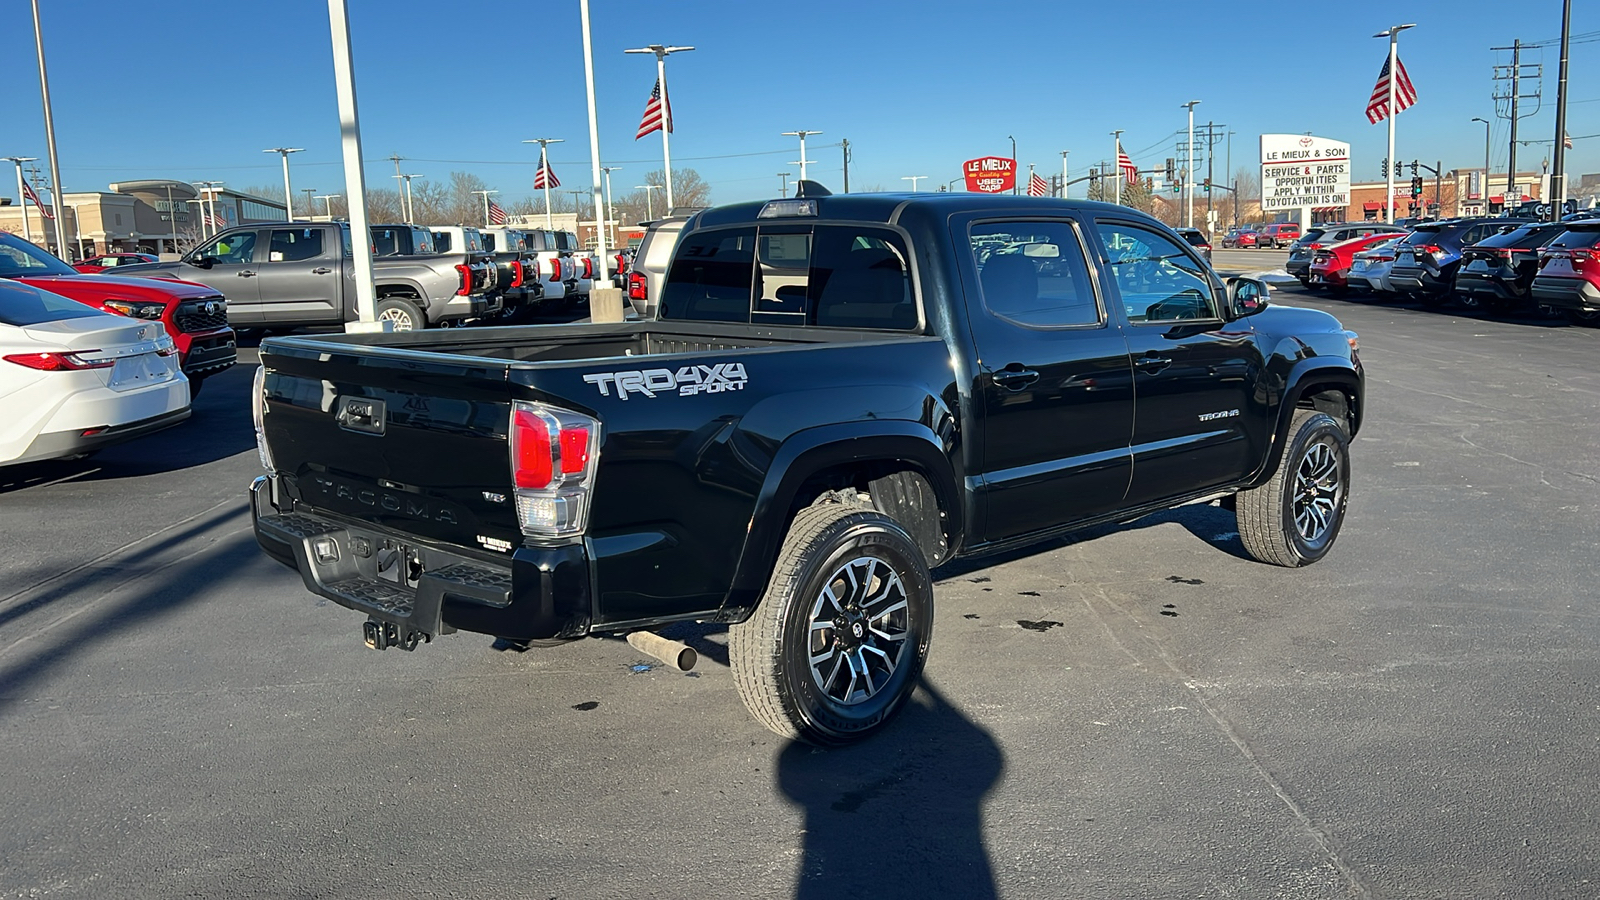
(294, 244)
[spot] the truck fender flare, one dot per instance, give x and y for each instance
(813, 450)
(1309, 376)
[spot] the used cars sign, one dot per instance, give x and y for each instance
(991, 174)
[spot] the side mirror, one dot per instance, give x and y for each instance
(1247, 296)
(204, 262)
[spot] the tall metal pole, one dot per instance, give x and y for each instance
(594, 136)
(649, 204)
(1394, 54)
(355, 180)
(49, 134)
(1558, 171)
(783, 184)
(802, 161)
(1064, 174)
(844, 145)
(1485, 193)
(288, 192)
(486, 205)
(411, 209)
(611, 211)
(544, 166)
(22, 196)
(1013, 162)
(327, 204)
(1188, 174)
(311, 202)
(661, 52)
(1116, 160)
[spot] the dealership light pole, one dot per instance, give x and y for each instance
(649, 207)
(49, 134)
(1188, 169)
(802, 162)
(1393, 34)
(208, 220)
(1484, 194)
(22, 196)
(410, 209)
(611, 210)
(913, 179)
(288, 192)
(544, 176)
(486, 205)
(1116, 155)
(1558, 174)
(661, 53)
(355, 174)
(327, 204)
(1064, 174)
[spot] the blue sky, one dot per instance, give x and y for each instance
(195, 90)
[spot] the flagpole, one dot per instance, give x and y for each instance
(662, 51)
(1116, 157)
(1393, 34)
(594, 146)
(544, 174)
(1064, 174)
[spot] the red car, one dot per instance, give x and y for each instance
(1245, 237)
(1330, 264)
(1278, 234)
(195, 315)
(94, 265)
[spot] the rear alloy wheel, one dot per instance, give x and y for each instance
(1586, 317)
(403, 314)
(1293, 519)
(839, 639)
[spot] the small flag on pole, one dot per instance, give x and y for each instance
(1126, 166)
(1404, 93)
(545, 178)
(1566, 140)
(497, 215)
(27, 191)
(657, 114)
(1037, 187)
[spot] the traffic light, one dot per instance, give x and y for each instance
(1384, 166)
(1172, 170)
(1208, 185)
(1416, 185)
(1413, 168)
(1399, 168)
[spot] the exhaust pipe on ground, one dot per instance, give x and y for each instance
(676, 654)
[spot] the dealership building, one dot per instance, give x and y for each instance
(152, 216)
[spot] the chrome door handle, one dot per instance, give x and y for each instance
(1015, 379)
(321, 270)
(246, 273)
(1152, 363)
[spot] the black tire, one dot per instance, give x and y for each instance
(1586, 317)
(1433, 299)
(1286, 522)
(1470, 302)
(403, 312)
(835, 553)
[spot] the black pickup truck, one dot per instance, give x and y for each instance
(836, 393)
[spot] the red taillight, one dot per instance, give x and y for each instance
(636, 286)
(1430, 248)
(532, 464)
(588, 267)
(1503, 253)
(555, 270)
(59, 362)
(466, 280)
(1313, 246)
(574, 450)
(516, 273)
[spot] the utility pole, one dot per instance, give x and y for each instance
(577, 210)
(486, 205)
(1558, 175)
(1514, 74)
(288, 192)
(22, 196)
(783, 188)
(1116, 156)
(844, 144)
(311, 207)
(802, 162)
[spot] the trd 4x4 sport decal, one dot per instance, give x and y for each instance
(687, 381)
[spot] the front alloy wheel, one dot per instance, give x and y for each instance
(1318, 492)
(859, 627)
(1293, 519)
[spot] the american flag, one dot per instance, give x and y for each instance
(1126, 166)
(1566, 140)
(654, 119)
(27, 191)
(216, 221)
(497, 216)
(1037, 187)
(1404, 93)
(545, 178)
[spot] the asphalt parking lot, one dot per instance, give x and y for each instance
(1139, 712)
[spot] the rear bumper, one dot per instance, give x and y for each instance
(56, 444)
(1332, 277)
(424, 589)
(1299, 268)
(1483, 284)
(1418, 278)
(1566, 293)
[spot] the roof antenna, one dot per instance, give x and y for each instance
(808, 188)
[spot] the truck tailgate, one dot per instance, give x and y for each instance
(414, 444)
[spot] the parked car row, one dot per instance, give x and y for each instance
(1498, 265)
(1276, 234)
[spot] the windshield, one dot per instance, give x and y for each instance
(21, 259)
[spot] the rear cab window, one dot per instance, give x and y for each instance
(830, 276)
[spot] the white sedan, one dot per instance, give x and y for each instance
(74, 379)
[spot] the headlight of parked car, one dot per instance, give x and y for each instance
(138, 309)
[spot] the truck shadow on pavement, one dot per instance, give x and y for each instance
(899, 814)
